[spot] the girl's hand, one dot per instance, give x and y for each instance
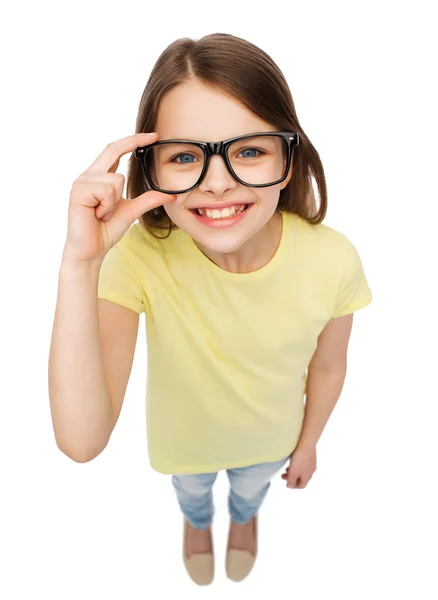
(98, 215)
(301, 467)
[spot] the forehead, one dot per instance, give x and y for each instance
(193, 111)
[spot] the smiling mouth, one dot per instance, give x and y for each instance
(204, 211)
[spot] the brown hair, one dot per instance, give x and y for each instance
(243, 71)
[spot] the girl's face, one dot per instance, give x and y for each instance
(192, 111)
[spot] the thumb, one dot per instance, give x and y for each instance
(133, 209)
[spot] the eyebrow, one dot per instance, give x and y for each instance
(174, 137)
(186, 139)
(191, 139)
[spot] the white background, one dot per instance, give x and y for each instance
(362, 78)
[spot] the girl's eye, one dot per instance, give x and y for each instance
(183, 162)
(251, 150)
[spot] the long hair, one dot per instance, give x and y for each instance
(243, 71)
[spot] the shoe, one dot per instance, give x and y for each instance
(239, 563)
(200, 567)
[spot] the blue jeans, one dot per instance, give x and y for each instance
(248, 488)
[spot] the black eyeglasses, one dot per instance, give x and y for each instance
(269, 166)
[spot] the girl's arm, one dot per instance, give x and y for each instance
(80, 403)
(323, 391)
(325, 378)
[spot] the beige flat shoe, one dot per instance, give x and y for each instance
(200, 567)
(239, 563)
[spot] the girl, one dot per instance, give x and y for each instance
(248, 298)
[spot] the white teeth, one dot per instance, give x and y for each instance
(224, 213)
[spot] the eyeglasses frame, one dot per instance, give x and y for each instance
(209, 149)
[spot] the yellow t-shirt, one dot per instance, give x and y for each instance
(228, 352)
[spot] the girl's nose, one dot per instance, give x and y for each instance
(217, 179)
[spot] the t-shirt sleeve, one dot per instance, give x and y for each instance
(354, 292)
(118, 282)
